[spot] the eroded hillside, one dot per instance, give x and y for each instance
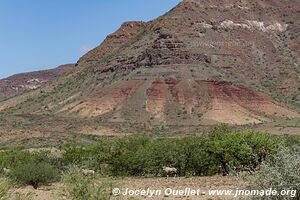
(202, 63)
(19, 83)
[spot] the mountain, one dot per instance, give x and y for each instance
(19, 83)
(113, 42)
(202, 63)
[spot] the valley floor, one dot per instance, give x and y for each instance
(42, 131)
(52, 192)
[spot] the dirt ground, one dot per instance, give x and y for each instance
(204, 184)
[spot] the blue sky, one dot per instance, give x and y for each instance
(42, 34)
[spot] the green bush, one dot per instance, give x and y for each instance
(280, 173)
(77, 186)
(128, 156)
(159, 153)
(240, 150)
(16, 157)
(93, 156)
(197, 160)
(35, 174)
(11, 158)
(222, 150)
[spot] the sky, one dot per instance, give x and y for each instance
(42, 34)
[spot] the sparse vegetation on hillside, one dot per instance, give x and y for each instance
(232, 84)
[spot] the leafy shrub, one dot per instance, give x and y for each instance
(233, 150)
(280, 173)
(15, 157)
(77, 186)
(239, 150)
(35, 174)
(197, 160)
(9, 158)
(93, 156)
(221, 150)
(128, 155)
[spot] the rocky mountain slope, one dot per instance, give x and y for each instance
(113, 42)
(202, 63)
(19, 83)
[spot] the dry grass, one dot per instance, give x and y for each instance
(51, 192)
